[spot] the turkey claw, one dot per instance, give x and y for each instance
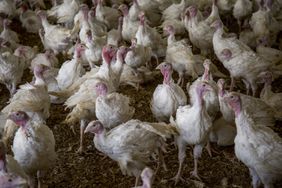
(195, 174)
(177, 178)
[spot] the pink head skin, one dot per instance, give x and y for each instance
(169, 29)
(226, 54)
(221, 84)
(234, 101)
(207, 64)
(217, 24)
(147, 176)
(201, 89)
(108, 52)
(39, 69)
(121, 53)
(42, 14)
(94, 127)
(20, 118)
(2, 157)
(124, 9)
(166, 70)
(101, 89)
(20, 51)
(192, 11)
(141, 17)
(79, 49)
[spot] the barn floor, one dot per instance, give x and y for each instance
(94, 170)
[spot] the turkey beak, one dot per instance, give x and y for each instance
(159, 66)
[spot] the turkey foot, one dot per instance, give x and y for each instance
(178, 178)
(211, 150)
(194, 173)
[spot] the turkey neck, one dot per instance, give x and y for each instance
(100, 140)
(167, 77)
(45, 23)
(266, 91)
(171, 39)
(39, 81)
(119, 65)
(200, 101)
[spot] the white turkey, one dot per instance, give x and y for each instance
(33, 146)
(168, 96)
(131, 144)
(112, 109)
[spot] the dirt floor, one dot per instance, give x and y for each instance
(94, 170)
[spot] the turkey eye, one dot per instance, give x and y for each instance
(9, 180)
(231, 97)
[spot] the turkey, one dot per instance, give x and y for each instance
(269, 97)
(112, 109)
(54, 37)
(107, 15)
(98, 28)
(11, 71)
(114, 36)
(26, 54)
(168, 96)
(9, 167)
(29, 20)
(83, 101)
(241, 10)
(93, 51)
(238, 59)
(263, 23)
(71, 70)
(47, 58)
(148, 36)
(226, 111)
(9, 35)
(65, 12)
(180, 55)
(31, 97)
(7, 8)
(258, 147)
(129, 25)
(200, 31)
(131, 144)
(79, 18)
(33, 146)
(261, 112)
(138, 55)
(193, 124)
